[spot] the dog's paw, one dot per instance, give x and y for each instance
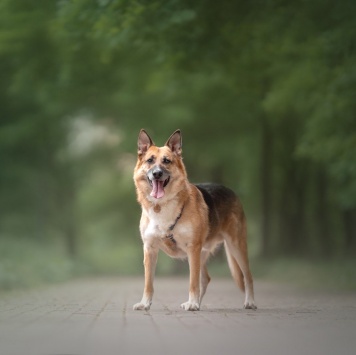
(250, 305)
(190, 306)
(142, 306)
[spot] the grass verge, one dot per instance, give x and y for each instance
(27, 263)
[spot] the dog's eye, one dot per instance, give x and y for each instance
(166, 161)
(150, 160)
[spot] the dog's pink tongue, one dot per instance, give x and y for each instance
(158, 190)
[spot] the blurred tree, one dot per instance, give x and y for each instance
(264, 93)
(277, 59)
(37, 180)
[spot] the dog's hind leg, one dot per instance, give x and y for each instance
(240, 271)
(204, 275)
(193, 304)
(236, 251)
(234, 267)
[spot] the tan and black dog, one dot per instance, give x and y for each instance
(186, 220)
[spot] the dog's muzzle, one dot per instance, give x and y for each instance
(158, 179)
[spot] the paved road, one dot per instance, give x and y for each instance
(95, 317)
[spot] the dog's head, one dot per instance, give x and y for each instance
(159, 170)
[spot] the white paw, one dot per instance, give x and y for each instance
(190, 306)
(142, 306)
(250, 305)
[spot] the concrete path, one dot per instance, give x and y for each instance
(95, 317)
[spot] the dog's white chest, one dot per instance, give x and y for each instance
(162, 224)
(158, 223)
(154, 229)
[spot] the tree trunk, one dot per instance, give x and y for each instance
(322, 214)
(349, 217)
(265, 175)
(291, 213)
(293, 175)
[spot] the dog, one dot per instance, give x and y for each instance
(187, 221)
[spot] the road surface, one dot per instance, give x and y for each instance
(95, 317)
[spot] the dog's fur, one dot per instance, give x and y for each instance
(186, 220)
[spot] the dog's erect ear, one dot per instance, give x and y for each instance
(144, 142)
(175, 142)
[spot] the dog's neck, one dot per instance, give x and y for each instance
(158, 205)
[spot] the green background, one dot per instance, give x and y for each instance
(263, 91)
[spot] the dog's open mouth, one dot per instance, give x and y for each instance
(158, 187)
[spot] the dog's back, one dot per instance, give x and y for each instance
(223, 204)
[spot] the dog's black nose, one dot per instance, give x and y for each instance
(157, 173)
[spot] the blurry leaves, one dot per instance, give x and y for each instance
(221, 71)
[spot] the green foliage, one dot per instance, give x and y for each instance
(263, 91)
(332, 275)
(27, 263)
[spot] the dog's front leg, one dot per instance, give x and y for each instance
(194, 289)
(150, 261)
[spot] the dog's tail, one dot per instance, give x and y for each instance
(235, 269)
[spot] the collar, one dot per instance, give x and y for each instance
(171, 227)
